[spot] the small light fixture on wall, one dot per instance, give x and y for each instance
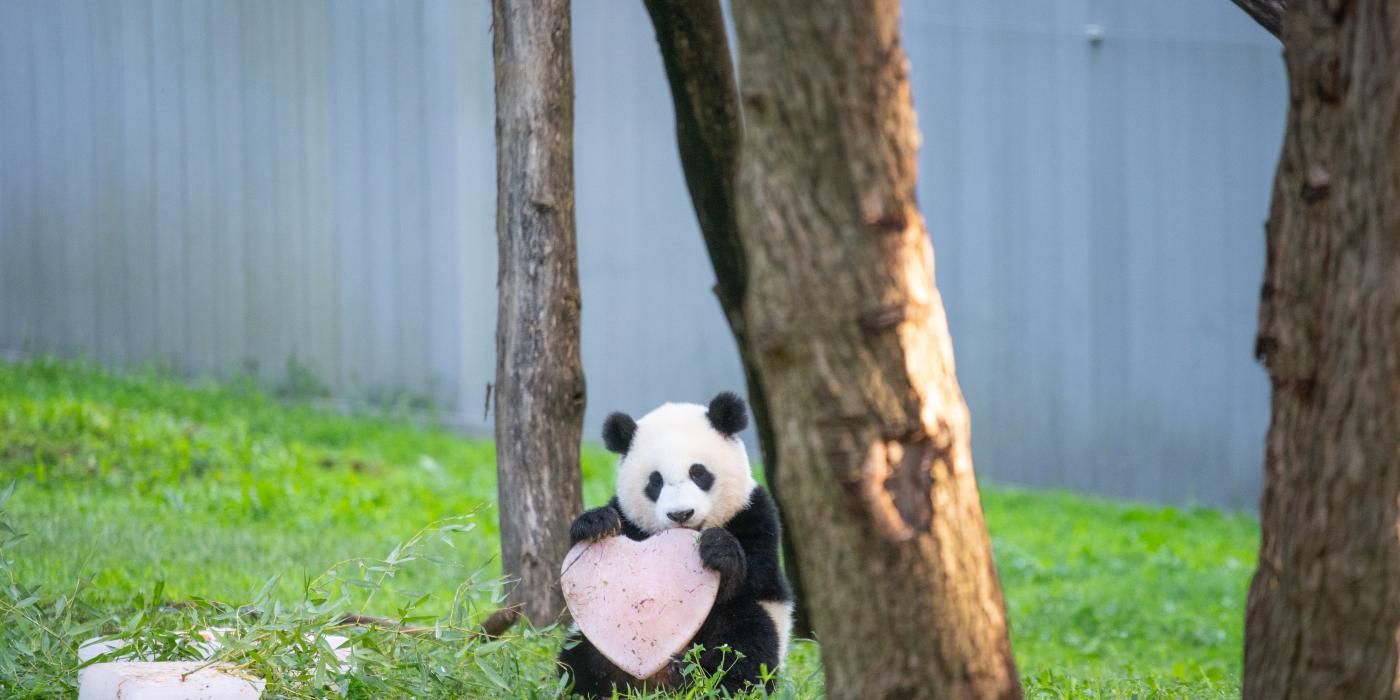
(1095, 33)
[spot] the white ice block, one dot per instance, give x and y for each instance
(164, 680)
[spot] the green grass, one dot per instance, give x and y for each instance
(136, 491)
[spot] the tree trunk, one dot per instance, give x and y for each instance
(695, 50)
(848, 335)
(539, 376)
(1323, 614)
(1268, 13)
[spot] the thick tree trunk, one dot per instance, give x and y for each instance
(1323, 615)
(539, 376)
(850, 340)
(695, 50)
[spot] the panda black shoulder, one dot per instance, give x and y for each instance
(759, 532)
(757, 521)
(761, 508)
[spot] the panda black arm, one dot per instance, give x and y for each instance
(720, 551)
(601, 523)
(595, 524)
(759, 533)
(628, 528)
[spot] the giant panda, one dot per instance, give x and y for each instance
(683, 465)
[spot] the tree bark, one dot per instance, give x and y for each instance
(848, 335)
(1323, 613)
(1268, 13)
(539, 376)
(709, 125)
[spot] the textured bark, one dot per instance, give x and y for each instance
(539, 376)
(1323, 613)
(695, 50)
(849, 337)
(1268, 13)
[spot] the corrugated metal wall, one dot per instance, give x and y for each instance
(1097, 215)
(220, 185)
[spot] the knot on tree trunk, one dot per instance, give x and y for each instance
(896, 482)
(1318, 184)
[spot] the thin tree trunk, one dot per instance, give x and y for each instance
(1323, 614)
(1268, 13)
(849, 337)
(539, 376)
(695, 50)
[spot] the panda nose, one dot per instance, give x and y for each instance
(680, 516)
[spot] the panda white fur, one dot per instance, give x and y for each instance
(683, 465)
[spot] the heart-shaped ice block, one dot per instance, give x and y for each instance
(639, 603)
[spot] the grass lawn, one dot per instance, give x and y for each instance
(136, 492)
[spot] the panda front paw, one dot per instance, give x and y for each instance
(596, 524)
(720, 552)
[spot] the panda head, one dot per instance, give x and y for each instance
(682, 465)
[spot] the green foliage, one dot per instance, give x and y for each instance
(147, 508)
(1102, 591)
(38, 631)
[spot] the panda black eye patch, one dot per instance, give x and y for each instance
(702, 476)
(653, 490)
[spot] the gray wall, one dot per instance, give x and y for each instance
(221, 186)
(1097, 214)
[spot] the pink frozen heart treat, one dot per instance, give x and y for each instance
(639, 603)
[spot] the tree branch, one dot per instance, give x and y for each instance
(709, 124)
(695, 50)
(1268, 13)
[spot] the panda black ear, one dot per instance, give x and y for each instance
(618, 430)
(728, 414)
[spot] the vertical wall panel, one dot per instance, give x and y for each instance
(109, 339)
(349, 173)
(475, 200)
(197, 226)
(76, 159)
(378, 272)
(318, 110)
(286, 243)
(17, 306)
(441, 174)
(407, 229)
(227, 160)
(169, 268)
(246, 186)
(46, 169)
(138, 182)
